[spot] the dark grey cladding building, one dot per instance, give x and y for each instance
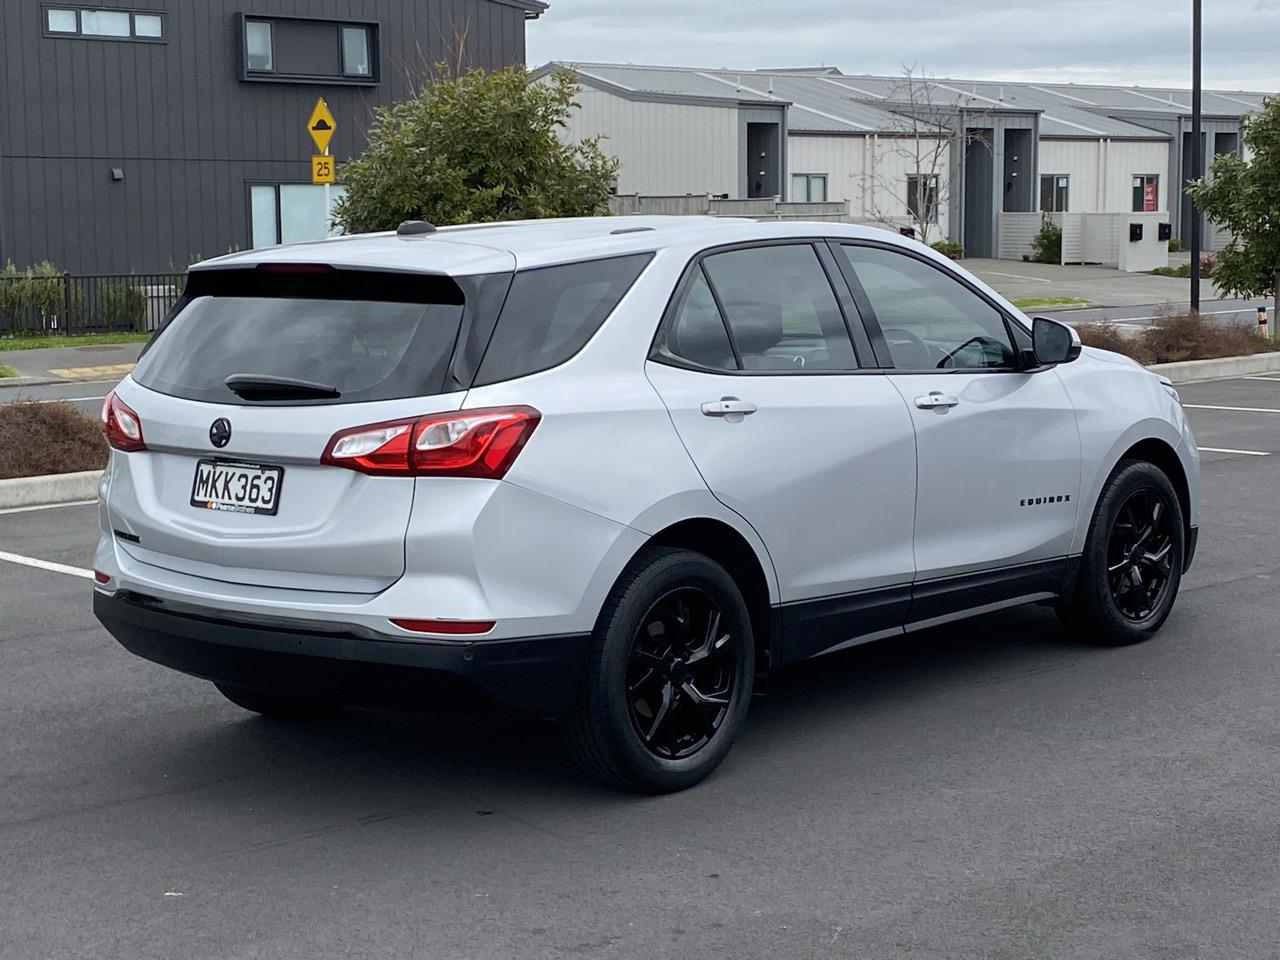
(137, 135)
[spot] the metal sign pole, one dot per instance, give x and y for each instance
(1197, 153)
(328, 204)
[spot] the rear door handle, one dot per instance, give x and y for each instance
(936, 399)
(728, 407)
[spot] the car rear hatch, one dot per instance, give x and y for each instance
(237, 400)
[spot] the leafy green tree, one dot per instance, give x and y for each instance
(1244, 197)
(476, 148)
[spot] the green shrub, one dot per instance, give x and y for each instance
(1047, 245)
(948, 249)
(38, 292)
(1175, 245)
(122, 305)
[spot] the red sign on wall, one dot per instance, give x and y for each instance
(1151, 196)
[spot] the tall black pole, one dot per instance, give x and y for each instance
(1197, 152)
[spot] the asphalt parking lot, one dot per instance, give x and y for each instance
(992, 790)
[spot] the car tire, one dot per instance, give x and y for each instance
(669, 676)
(275, 706)
(1132, 564)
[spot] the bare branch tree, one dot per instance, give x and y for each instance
(929, 123)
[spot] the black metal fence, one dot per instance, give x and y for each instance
(34, 303)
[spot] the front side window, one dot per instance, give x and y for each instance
(781, 310)
(257, 46)
(809, 188)
(1054, 192)
(355, 52)
(551, 313)
(929, 319)
(922, 197)
(1146, 193)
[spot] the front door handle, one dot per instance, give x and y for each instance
(730, 407)
(937, 400)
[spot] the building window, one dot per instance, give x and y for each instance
(808, 188)
(1054, 192)
(922, 197)
(355, 51)
(103, 24)
(308, 50)
(257, 45)
(63, 21)
(1146, 193)
(290, 213)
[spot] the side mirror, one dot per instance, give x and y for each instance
(1053, 342)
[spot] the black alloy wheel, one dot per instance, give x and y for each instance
(1140, 555)
(681, 674)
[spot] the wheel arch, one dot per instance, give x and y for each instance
(1160, 454)
(730, 548)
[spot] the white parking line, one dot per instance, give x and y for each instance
(1205, 313)
(46, 565)
(46, 506)
(1264, 379)
(1209, 406)
(1243, 453)
(1014, 276)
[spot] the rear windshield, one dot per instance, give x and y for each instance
(369, 336)
(551, 313)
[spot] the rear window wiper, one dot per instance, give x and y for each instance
(255, 386)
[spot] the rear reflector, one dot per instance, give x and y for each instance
(120, 425)
(464, 443)
(457, 628)
(101, 577)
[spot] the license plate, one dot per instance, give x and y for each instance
(237, 487)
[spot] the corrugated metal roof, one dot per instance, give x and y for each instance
(824, 100)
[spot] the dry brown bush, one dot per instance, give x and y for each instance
(1176, 337)
(41, 438)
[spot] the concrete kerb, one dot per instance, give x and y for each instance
(1222, 368)
(57, 488)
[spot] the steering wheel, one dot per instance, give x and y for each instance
(980, 340)
(906, 336)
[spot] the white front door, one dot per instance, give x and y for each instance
(999, 450)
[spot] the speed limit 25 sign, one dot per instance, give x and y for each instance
(322, 168)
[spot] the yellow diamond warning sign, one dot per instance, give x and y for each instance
(321, 125)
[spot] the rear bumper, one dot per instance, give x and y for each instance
(539, 675)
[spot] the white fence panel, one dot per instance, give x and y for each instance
(1017, 230)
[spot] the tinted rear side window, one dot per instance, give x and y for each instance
(552, 312)
(370, 336)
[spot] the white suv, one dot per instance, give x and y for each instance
(613, 471)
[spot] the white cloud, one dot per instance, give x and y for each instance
(1104, 41)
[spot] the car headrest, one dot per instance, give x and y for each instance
(756, 326)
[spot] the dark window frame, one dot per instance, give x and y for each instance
(368, 47)
(1054, 188)
(1139, 196)
(372, 30)
(133, 12)
(808, 186)
(1019, 336)
(863, 355)
(933, 186)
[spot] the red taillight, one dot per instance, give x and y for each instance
(457, 628)
(295, 268)
(464, 443)
(120, 425)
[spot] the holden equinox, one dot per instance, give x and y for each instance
(616, 471)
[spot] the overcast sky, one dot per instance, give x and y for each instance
(1100, 41)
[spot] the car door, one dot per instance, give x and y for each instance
(756, 365)
(998, 445)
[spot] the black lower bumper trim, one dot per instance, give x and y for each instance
(1193, 540)
(539, 675)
